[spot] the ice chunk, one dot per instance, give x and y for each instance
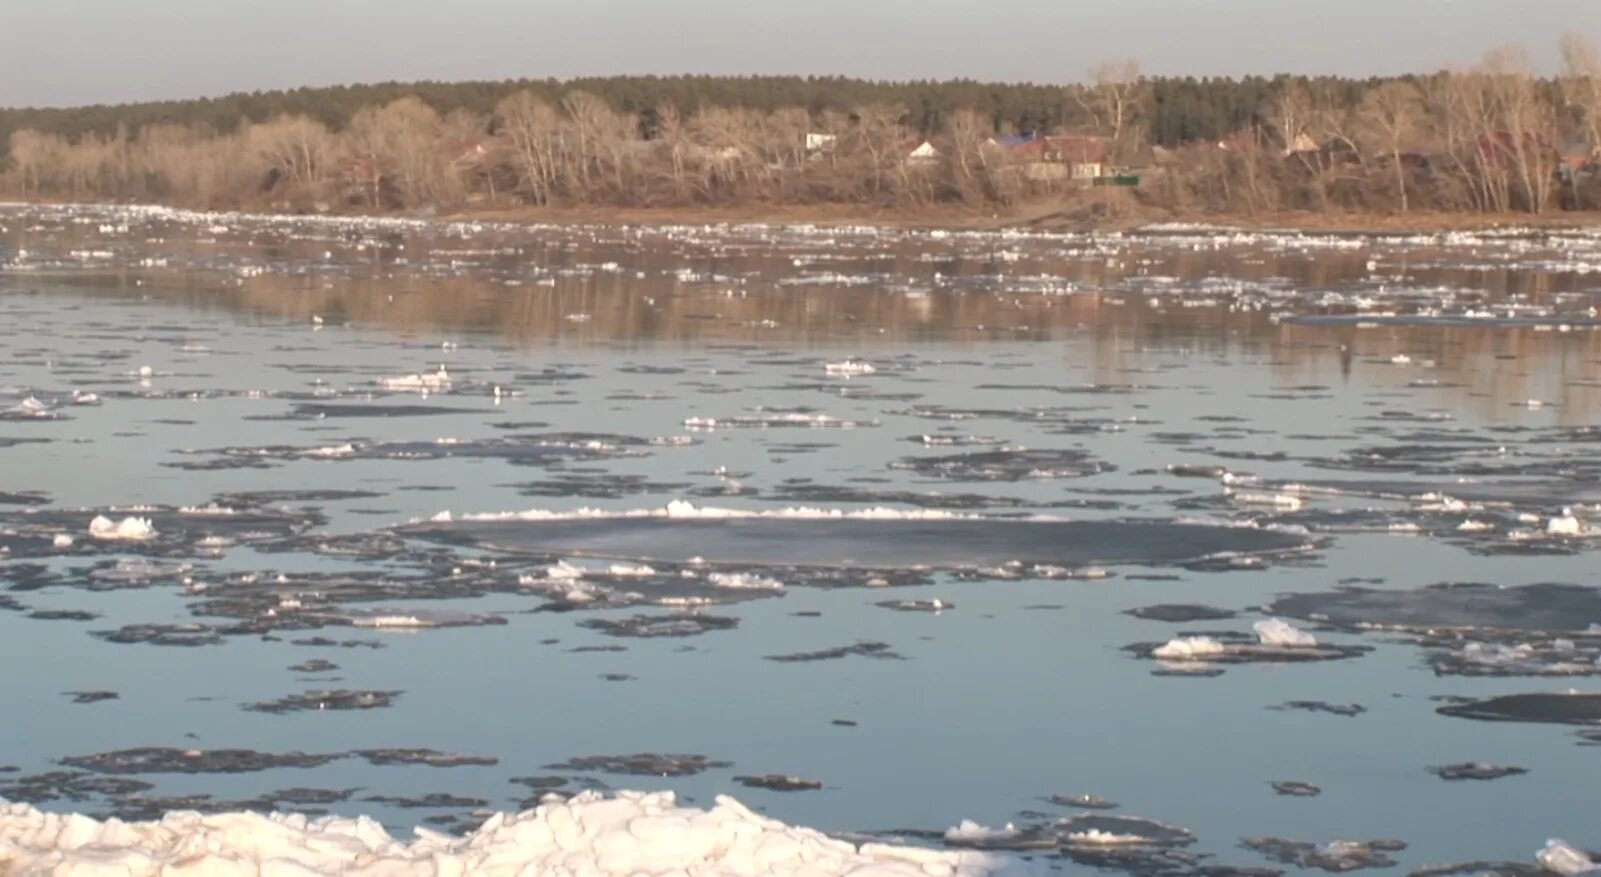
(1564, 524)
(1189, 648)
(125, 530)
(744, 581)
(972, 832)
(439, 380)
(849, 368)
(1561, 857)
(1278, 632)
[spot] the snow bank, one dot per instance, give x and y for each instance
(633, 833)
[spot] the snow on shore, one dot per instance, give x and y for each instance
(632, 833)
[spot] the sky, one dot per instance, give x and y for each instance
(68, 52)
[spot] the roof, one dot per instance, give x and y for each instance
(1069, 148)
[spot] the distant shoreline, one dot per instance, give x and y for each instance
(1047, 217)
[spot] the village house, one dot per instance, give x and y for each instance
(820, 144)
(922, 153)
(1077, 157)
(1302, 142)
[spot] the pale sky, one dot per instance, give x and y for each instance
(64, 52)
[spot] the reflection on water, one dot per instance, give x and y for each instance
(1530, 300)
(268, 486)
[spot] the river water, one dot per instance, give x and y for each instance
(346, 461)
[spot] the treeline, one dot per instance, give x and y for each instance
(1182, 109)
(1492, 138)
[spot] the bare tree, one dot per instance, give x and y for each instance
(969, 134)
(1113, 99)
(1392, 114)
(532, 130)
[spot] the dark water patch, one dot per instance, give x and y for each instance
(1295, 789)
(1083, 802)
(1476, 770)
(1539, 607)
(321, 701)
(777, 782)
(327, 643)
(423, 758)
(91, 696)
(303, 796)
(432, 800)
(143, 808)
(1348, 710)
(185, 635)
(163, 531)
(930, 499)
(598, 486)
(1336, 856)
(948, 543)
(934, 605)
(65, 785)
(321, 410)
(258, 498)
(1006, 465)
(63, 615)
(877, 650)
(412, 618)
(1506, 656)
(1540, 493)
(1181, 613)
(644, 764)
(653, 626)
(360, 546)
(148, 760)
(130, 572)
(1477, 869)
(1091, 829)
(315, 665)
(1571, 708)
(1238, 649)
(534, 451)
(1186, 470)
(539, 784)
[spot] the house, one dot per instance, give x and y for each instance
(1301, 142)
(1577, 159)
(1064, 157)
(922, 153)
(820, 144)
(464, 153)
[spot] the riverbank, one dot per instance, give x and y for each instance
(1044, 217)
(1106, 213)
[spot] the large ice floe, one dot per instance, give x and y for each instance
(590, 835)
(877, 538)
